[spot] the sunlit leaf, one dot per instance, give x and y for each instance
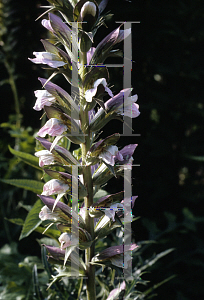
(26, 157)
(32, 220)
(27, 184)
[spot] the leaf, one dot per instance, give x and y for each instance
(27, 158)
(108, 199)
(32, 220)
(27, 184)
(16, 221)
(37, 293)
(101, 193)
(52, 233)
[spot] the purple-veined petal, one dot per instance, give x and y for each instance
(47, 58)
(124, 156)
(43, 98)
(130, 108)
(55, 186)
(59, 26)
(45, 157)
(105, 45)
(47, 25)
(47, 214)
(118, 99)
(60, 151)
(53, 127)
(56, 91)
(89, 94)
(108, 155)
(50, 202)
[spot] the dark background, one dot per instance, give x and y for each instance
(167, 75)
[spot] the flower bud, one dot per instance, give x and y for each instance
(89, 8)
(88, 15)
(116, 255)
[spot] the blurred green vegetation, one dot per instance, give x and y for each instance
(168, 76)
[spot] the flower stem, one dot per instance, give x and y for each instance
(88, 200)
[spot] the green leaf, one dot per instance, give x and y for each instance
(27, 158)
(101, 193)
(52, 233)
(16, 221)
(37, 293)
(27, 184)
(32, 220)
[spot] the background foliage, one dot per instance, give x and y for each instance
(167, 75)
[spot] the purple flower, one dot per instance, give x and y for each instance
(118, 105)
(45, 157)
(59, 154)
(47, 58)
(130, 108)
(53, 127)
(115, 255)
(56, 252)
(43, 98)
(61, 209)
(110, 212)
(46, 23)
(103, 150)
(109, 154)
(55, 186)
(56, 26)
(124, 156)
(47, 214)
(103, 49)
(57, 256)
(58, 93)
(123, 105)
(89, 94)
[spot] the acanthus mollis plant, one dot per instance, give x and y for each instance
(79, 118)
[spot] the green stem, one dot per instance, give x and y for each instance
(16, 99)
(88, 200)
